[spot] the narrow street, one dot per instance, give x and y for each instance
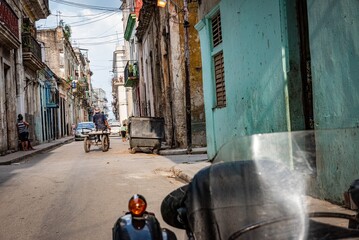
(69, 194)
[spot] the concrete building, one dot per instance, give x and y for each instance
(123, 103)
(83, 87)
(274, 66)
(100, 100)
(160, 89)
(62, 60)
(20, 61)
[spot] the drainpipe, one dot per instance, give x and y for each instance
(169, 88)
(187, 81)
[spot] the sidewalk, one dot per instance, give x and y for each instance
(21, 155)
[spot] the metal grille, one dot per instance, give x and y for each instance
(219, 77)
(217, 29)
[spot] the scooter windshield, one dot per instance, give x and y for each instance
(255, 188)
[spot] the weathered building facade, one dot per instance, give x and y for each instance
(81, 88)
(100, 100)
(274, 66)
(62, 60)
(160, 89)
(20, 61)
(122, 95)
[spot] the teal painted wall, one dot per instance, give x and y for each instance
(263, 83)
(254, 49)
(334, 44)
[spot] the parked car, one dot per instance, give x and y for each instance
(115, 129)
(82, 129)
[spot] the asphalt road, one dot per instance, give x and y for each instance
(69, 194)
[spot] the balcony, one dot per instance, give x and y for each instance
(38, 8)
(130, 26)
(9, 26)
(131, 74)
(31, 52)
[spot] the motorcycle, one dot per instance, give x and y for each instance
(237, 198)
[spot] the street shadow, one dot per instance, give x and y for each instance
(187, 158)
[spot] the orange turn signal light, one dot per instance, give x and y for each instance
(137, 205)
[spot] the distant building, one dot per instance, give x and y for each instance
(99, 99)
(122, 96)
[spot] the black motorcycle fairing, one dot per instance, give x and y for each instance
(145, 228)
(170, 208)
(278, 230)
(225, 197)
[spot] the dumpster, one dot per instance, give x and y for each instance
(146, 133)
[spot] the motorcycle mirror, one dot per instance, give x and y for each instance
(137, 205)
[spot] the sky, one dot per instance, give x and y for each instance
(96, 26)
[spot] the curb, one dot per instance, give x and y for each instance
(33, 153)
(186, 172)
(180, 174)
(182, 151)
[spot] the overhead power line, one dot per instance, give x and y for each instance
(91, 20)
(90, 38)
(98, 43)
(79, 5)
(80, 16)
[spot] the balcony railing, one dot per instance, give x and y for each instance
(31, 50)
(9, 18)
(131, 74)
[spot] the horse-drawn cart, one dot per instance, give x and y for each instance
(97, 138)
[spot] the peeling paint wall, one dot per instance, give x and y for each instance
(254, 72)
(261, 49)
(162, 78)
(334, 35)
(10, 75)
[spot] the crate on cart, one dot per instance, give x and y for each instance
(146, 133)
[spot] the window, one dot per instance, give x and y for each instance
(218, 60)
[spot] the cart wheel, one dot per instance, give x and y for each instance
(87, 144)
(105, 143)
(133, 150)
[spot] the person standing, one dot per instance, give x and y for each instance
(22, 128)
(73, 126)
(124, 132)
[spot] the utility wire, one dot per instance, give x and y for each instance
(86, 6)
(99, 42)
(78, 16)
(91, 21)
(88, 38)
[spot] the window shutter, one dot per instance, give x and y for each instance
(217, 29)
(219, 77)
(218, 60)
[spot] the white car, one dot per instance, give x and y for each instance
(82, 129)
(115, 129)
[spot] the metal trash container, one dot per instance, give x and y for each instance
(146, 133)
